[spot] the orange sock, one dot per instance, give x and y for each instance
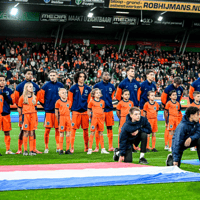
(97, 139)
(46, 137)
(153, 142)
(148, 141)
(25, 140)
(110, 138)
(67, 142)
(7, 142)
(73, 132)
(102, 141)
(91, 141)
(61, 143)
(34, 145)
(170, 140)
(86, 138)
(20, 142)
(57, 137)
(31, 142)
(166, 136)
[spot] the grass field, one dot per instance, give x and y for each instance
(154, 191)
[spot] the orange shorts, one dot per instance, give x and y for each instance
(50, 121)
(121, 123)
(80, 119)
(20, 121)
(6, 123)
(109, 118)
(97, 123)
(154, 125)
(64, 124)
(173, 123)
(29, 122)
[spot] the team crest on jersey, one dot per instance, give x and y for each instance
(101, 105)
(72, 124)
(130, 105)
(1, 100)
(110, 89)
(7, 93)
(154, 108)
(86, 91)
(179, 92)
(171, 126)
(153, 89)
(177, 107)
(67, 105)
(135, 86)
(26, 125)
(92, 127)
(48, 123)
(62, 127)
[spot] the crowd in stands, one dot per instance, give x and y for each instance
(70, 58)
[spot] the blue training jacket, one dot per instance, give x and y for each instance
(106, 89)
(80, 102)
(6, 104)
(51, 95)
(133, 89)
(183, 131)
(126, 139)
(145, 88)
(196, 86)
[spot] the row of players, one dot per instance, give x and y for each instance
(79, 96)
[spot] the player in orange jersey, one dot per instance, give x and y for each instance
(27, 108)
(123, 108)
(62, 112)
(172, 110)
(151, 113)
(1, 110)
(96, 106)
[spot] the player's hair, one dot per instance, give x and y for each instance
(129, 68)
(191, 111)
(76, 76)
(53, 71)
(177, 80)
(2, 76)
(149, 71)
(171, 92)
(149, 92)
(28, 70)
(125, 90)
(133, 109)
(61, 90)
(25, 94)
(195, 93)
(104, 73)
(94, 90)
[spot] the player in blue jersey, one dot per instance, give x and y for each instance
(18, 92)
(8, 96)
(79, 95)
(108, 91)
(48, 96)
(195, 86)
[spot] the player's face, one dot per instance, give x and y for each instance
(197, 97)
(151, 76)
(135, 116)
(195, 117)
(126, 95)
(81, 78)
(2, 82)
(176, 85)
(131, 73)
(63, 94)
(173, 96)
(30, 88)
(53, 77)
(152, 96)
(29, 75)
(106, 76)
(97, 94)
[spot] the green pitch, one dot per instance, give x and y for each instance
(154, 191)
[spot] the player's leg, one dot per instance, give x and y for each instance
(109, 119)
(93, 127)
(85, 126)
(20, 140)
(25, 141)
(31, 136)
(148, 136)
(166, 137)
(57, 133)
(171, 133)
(97, 138)
(68, 142)
(154, 130)
(61, 142)
(48, 124)
(7, 140)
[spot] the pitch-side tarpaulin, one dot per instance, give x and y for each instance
(191, 162)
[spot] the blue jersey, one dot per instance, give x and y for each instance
(79, 102)
(6, 104)
(107, 90)
(195, 86)
(50, 95)
(133, 89)
(145, 88)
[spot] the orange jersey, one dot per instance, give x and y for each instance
(151, 110)
(173, 108)
(195, 105)
(124, 107)
(63, 107)
(27, 108)
(97, 107)
(1, 104)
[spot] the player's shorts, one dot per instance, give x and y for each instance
(29, 122)
(180, 116)
(80, 119)
(121, 123)
(5, 123)
(50, 121)
(64, 124)
(154, 125)
(20, 121)
(109, 118)
(97, 124)
(173, 123)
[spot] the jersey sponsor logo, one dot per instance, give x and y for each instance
(26, 125)
(73, 124)
(62, 127)
(67, 105)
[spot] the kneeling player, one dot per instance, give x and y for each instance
(97, 106)
(62, 112)
(26, 108)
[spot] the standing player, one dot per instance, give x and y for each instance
(96, 106)
(108, 91)
(172, 110)
(123, 108)
(27, 108)
(195, 86)
(79, 95)
(48, 97)
(18, 92)
(1, 110)
(165, 98)
(62, 112)
(5, 115)
(151, 112)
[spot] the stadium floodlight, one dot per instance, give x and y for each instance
(14, 11)
(90, 14)
(98, 26)
(93, 8)
(160, 18)
(120, 12)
